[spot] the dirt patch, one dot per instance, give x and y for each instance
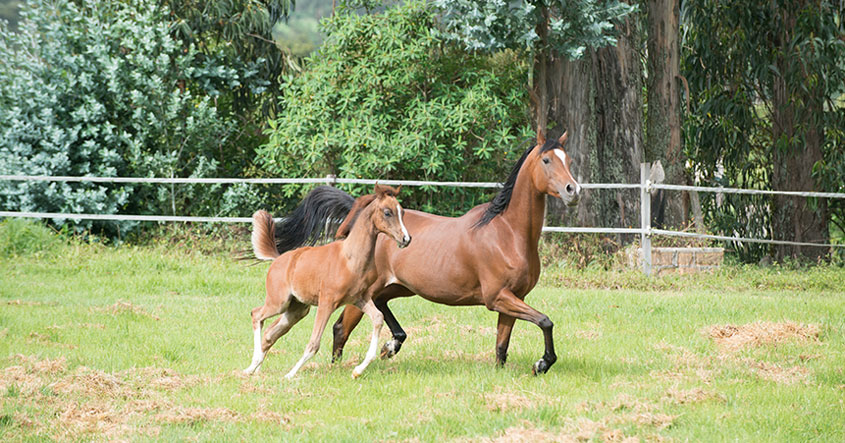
(734, 338)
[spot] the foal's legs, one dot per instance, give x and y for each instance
(324, 310)
(292, 313)
(376, 316)
(505, 302)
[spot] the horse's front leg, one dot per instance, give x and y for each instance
(503, 337)
(505, 302)
(369, 308)
(392, 347)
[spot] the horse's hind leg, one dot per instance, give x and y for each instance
(324, 311)
(261, 313)
(376, 316)
(295, 312)
(348, 320)
(505, 302)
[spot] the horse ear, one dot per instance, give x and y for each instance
(541, 137)
(563, 138)
(398, 189)
(380, 190)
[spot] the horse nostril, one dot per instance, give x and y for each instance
(570, 189)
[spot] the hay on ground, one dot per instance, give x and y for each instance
(734, 338)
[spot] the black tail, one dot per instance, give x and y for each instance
(315, 220)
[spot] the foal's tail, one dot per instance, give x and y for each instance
(263, 228)
(314, 220)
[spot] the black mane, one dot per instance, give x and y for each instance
(503, 198)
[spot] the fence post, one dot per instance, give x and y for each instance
(645, 216)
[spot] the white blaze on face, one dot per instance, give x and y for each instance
(562, 156)
(402, 223)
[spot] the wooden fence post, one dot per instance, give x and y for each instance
(645, 216)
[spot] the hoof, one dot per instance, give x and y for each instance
(541, 367)
(290, 376)
(390, 349)
(356, 374)
(336, 355)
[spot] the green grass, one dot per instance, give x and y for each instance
(148, 343)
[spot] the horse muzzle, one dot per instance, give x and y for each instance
(404, 242)
(570, 194)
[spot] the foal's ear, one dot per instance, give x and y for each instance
(562, 139)
(381, 190)
(541, 137)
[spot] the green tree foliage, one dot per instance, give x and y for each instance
(572, 26)
(386, 97)
(238, 64)
(102, 89)
(766, 81)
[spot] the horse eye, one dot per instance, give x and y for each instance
(387, 213)
(546, 160)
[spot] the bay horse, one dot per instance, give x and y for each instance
(327, 276)
(487, 256)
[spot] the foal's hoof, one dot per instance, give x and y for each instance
(356, 374)
(390, 349)
(541, 367)
(337, 355)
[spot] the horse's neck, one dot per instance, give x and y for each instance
(359, 245)
(527, 208)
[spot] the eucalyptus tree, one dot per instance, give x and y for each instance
(586, 78)
(767, 112)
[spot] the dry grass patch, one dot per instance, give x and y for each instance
(689, 396)
(124, 307)
(503, 401)
(734, 338)
(778, 374)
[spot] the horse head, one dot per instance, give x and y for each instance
(387, 215)
(551, 174)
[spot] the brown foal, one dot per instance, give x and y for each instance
(327, 276)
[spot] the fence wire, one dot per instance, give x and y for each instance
(334, 180)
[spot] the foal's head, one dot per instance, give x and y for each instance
(551, 171)
(387, 215)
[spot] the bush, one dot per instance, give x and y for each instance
(102, 89)
(385, 97)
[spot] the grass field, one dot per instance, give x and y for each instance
(148, 344)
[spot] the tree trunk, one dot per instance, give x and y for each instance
(598, 100)
(664, 104)
(798, 138)
(619, 127)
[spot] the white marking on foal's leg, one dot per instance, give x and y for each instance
(257, 354)
(305, 357)
(378, 319)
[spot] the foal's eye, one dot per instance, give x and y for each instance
(546, 160)
(387, 213)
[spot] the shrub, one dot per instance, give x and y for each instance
(102, 89)
(386, 97)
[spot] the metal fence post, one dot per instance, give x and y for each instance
(645, 216)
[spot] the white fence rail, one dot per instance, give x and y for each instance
(645, 186)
